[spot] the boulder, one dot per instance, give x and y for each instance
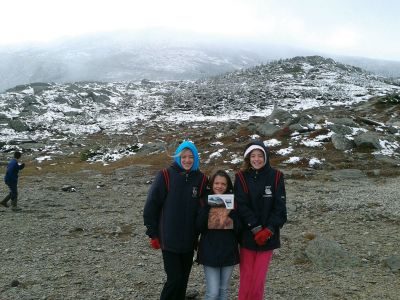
(281, 115)
(267, 129)
(328, 254)
(18, 125)
(341, 129)
(368, 140)
(341, 142)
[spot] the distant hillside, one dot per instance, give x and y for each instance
(153, 55)
(119, 56)
(124, 56)
(41, 110)
(387, 68)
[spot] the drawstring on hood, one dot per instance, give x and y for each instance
(187, 145)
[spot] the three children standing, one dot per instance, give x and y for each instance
(176, 212)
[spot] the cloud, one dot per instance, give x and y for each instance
(350, 27)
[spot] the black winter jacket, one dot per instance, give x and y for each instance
(262, 205)
(218, 247)
(171, 215)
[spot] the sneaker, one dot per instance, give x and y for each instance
(4, 204)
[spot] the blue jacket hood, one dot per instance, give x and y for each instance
(191, 147)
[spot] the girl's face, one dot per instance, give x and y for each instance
(220, 185)
(187, 159)
(257, 159)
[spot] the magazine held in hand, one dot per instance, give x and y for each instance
(221, 204)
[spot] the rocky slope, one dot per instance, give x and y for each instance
(315, 102)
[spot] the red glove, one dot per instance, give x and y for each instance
(262, 236)
(155, 243)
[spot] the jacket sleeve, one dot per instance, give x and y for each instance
(278, 215)
(204, 190)
(21, 166)
(237, 224)
(153, 206)
(243, 200)
(202, 217)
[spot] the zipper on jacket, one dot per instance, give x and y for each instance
(187, 175)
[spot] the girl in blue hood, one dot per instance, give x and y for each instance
(170, 216)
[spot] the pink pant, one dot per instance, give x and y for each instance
(253, 272)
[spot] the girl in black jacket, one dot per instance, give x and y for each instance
(218, 248)
(170, 217)
(261, 197)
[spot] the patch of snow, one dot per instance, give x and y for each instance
(292, 160)
(285, 151)
(235, 159)
(311, 143)
(272, 143)
(387, 148)
(43, 158)
(315, 161)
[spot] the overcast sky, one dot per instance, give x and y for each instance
(368, 28)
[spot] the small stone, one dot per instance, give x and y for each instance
(15, 283)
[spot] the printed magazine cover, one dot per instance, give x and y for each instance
(218, 217)
(221, 200)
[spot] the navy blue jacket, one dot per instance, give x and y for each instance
(218, 247)
(13, 169)
(171, 215)
(262, 205)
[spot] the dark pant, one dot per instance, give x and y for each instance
(177, 266)
(13, 194)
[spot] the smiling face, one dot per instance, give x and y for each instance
(257, 159)
(220, 185)
(187, 159)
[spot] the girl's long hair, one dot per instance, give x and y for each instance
(246, 164)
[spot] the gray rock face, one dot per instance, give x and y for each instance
(348, 174)
(156, 147)
(328, 254)
(368, 140)
(393, 263)
(280, 115)
(18, 125)
(267, 129)
(341, 129)
(341, 142)
(343, 121)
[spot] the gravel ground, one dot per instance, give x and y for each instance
(88, 241)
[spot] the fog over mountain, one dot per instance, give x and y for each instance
(150, 54)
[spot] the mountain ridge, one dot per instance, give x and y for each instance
(118, 56)
(303, 103)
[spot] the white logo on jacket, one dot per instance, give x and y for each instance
(267, 191)
(195, 192)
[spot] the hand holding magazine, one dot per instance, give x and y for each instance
(218, 217)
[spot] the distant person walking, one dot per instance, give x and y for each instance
(11, 180)
(170, 217)
(218, 248)
(261, 197)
